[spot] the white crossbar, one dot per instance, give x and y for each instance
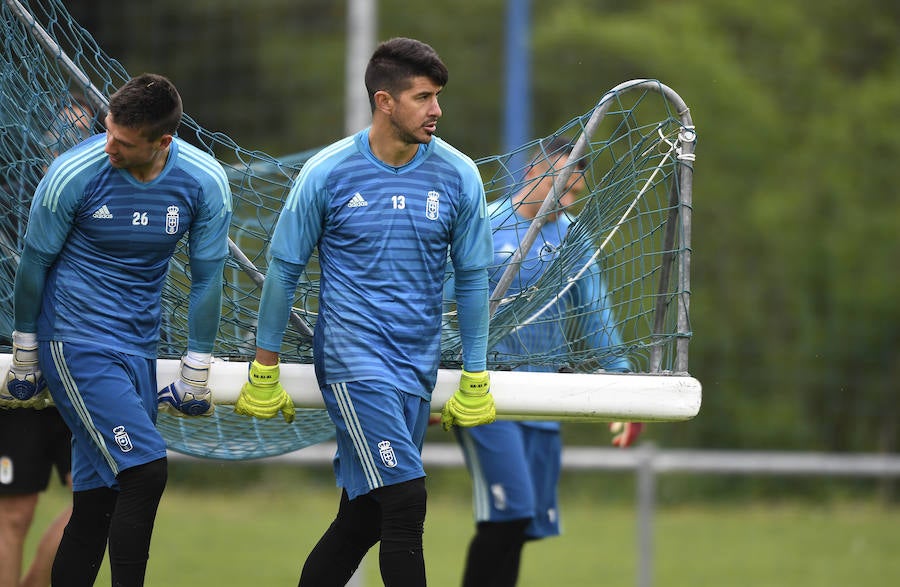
(519, 395)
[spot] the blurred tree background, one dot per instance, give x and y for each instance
(796, 297)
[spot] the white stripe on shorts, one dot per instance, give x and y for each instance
(355, 430)
(71, 389)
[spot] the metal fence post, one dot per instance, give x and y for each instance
(646, 503)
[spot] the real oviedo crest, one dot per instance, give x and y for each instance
(387, 453)
(122, 439)
(433, 205)
(172, 220)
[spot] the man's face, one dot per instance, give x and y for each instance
(127, 148)
(416, 111)
(71, 126)
(78, 118)
(545, 173)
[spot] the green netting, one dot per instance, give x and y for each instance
(46, 59)
(634, 220)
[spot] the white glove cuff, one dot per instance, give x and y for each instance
(25, 349)
(195, 368)
(26, 340)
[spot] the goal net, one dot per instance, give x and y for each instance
(633, 222)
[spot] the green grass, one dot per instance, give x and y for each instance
(259, 536)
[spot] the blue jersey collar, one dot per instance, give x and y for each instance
(362, 143)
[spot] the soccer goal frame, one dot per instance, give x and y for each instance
(659, 393)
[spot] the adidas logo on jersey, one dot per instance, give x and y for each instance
(103, 213)
(357, 201)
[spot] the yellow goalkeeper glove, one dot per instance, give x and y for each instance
(472, 404)
(263, 396)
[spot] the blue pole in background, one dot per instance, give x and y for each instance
(517, 110)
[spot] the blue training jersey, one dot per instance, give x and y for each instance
(549, 333)
(382, 234)
(108, 238)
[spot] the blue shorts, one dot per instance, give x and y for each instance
(515, 471)
(380, 431)
(108, 400)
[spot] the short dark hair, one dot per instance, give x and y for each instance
(396, 61)
(78, 99)
(148, 102)
(554, 147)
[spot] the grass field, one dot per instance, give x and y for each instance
(259, 536)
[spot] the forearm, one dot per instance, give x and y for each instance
(275, 305)
(473, 312)
(266, 357)
(29, 288)
(205, 309)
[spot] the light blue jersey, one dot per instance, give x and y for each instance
(588, 299)
(107, 240)
(547, 335)
(96, 254)
(383, 235)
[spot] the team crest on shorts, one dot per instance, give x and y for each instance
(387, 454)
(433, 205)
(172, 220)
(499, 494)
(122, 439)
(6, 470)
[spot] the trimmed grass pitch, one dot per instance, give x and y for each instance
(259, 537)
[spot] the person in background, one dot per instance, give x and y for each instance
(382, 207)
(33, 437)
(104, 223)
(515, 466)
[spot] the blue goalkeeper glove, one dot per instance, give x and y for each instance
(189, 395)
(263, 396)
(25, 385)
(472, 404)
(625, 433)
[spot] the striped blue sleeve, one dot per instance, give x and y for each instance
(472, 246)
(300, 221)
(49, 222)
(471, 252)
(207, 249)
(53, 208)
(208, 236)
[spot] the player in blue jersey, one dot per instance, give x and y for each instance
(515, 466)
(103, 225)
(384, 208)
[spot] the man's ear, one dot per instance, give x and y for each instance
(536, 169)
(384, 102)
(165, 141)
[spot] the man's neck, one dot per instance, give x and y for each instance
(389, 149)
(525, 207)
(150, 171)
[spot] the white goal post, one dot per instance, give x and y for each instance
(519, 395)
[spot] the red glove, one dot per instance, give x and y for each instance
(625, 433)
